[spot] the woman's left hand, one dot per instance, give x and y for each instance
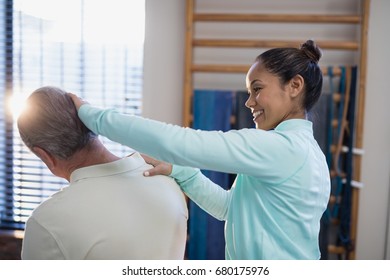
(160, 167)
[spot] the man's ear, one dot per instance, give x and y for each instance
(46, 157)
(296, 86)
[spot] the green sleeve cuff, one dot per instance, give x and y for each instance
(182, 174)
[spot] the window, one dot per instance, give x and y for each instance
(92, 48)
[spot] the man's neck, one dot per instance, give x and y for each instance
(94, 153)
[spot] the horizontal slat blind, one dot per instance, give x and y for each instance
(95, 50)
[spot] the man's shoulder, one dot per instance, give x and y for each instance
(48, 206)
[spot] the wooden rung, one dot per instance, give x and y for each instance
(233, 120)
(333, 249)
(335, 123)
(336, 71)
(344, 149)
(230, 68)
(279, 18)
(332, 199)
(223, 43)
(220, 68)
(336, 97)
(335, 221)
(333, 174)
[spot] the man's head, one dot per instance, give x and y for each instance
(50, 127)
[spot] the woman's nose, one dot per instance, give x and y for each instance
(249, 102)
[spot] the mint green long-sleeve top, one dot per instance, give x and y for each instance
(274, 207)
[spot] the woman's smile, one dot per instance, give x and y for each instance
(257, 114)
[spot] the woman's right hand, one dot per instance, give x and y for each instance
(159, 167)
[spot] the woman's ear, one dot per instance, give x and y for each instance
(46, 157)
(296, 86)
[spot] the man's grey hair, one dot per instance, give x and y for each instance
(50, 122)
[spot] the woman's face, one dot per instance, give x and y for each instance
(269, 101)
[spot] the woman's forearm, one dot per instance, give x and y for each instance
(207, 195)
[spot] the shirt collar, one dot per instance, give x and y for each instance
(294, 124)
(126, 164)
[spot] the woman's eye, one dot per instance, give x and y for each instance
(256, 89)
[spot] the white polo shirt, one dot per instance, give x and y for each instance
(110, 211)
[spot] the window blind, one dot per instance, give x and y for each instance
(92, 48)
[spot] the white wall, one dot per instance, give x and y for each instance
(163, 84)
(163, 60)
(373, 216)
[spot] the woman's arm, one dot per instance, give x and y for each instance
(246, 151)
(209, 196)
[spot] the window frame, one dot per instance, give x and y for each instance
(129, 100)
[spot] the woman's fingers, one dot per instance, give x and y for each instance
(149, 160)
(159, 167)
(78, 101)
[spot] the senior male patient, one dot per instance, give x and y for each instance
(109, 210)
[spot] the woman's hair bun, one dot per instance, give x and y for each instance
(311, 50)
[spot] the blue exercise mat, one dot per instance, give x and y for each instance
(212, 110)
